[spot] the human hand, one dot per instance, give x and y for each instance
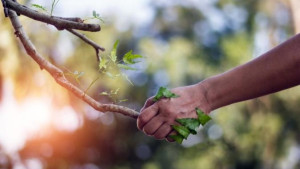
(156, 118)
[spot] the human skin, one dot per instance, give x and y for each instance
(276, 70)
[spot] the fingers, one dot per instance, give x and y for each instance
(148, 103)
(153, 125)
(163, 131)
(146, 115)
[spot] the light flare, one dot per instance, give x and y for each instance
(20, 121)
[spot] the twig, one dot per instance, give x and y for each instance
(58, 22)
(58, 74)
(17, 7)
(88, 41)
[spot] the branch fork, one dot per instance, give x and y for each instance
(12, 8)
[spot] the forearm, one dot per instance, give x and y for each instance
(276, 70)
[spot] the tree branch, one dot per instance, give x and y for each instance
(5, 10)
(88, 41)
(75, 19)
(58, 74)
(58, 22)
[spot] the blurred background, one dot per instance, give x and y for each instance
(183, 42)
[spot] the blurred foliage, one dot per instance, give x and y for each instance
(186, 42)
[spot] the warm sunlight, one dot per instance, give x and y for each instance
(20, 121)
(32, 117)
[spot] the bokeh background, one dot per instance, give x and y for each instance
(183, 42)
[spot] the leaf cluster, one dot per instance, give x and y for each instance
(107, 63)
(188, 126)
(111, 61)
(97, 16)
(163, 92)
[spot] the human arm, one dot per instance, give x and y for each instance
(275, 70)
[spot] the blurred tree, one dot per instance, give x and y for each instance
(186, 42)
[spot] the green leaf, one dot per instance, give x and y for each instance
(183, 131)
(158, 96)
(103, 63)
(40, 7)
(202, 117)
(190, 123)
(113, 53)
(116, 44)
(129, 58)
(164, 92)
(168, 94)
(94, 14)
(126, 67)
(177, 138)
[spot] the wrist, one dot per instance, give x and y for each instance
(218, 92)
(205, 103)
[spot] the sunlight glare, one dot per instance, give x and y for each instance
(36, 113)
(20, 121)
(67, 120)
